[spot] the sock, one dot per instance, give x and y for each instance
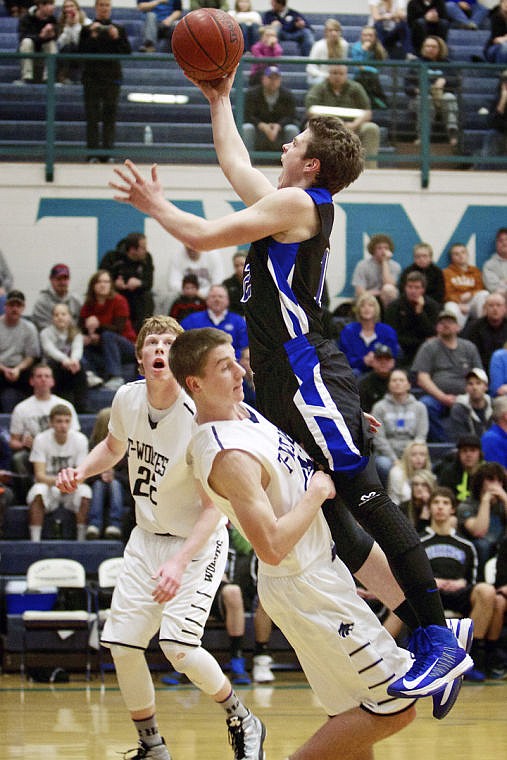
(147, 730)
(478, 654)
(235, 646)
(35, 532)
(420, 589)
(407, 615)
(81, 532)
(234, 706)
(261, 647)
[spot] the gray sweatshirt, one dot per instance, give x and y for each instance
(401, 424)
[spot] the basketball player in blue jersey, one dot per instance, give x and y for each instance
(304, 384)
(175, 557)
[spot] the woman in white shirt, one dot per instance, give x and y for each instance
(249, 21)
(331, 47)
(389, 17)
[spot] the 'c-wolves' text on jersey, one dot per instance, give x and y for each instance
(161, 481)
(289, 469)
(283, 284)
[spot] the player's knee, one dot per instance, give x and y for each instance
(134, 678)
(119, 652)
(197, 664)
(484, 592)
(178, 655)
(232, 596)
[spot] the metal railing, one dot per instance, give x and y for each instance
(422, 155)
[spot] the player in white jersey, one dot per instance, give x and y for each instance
(176, 554)
(265, 483)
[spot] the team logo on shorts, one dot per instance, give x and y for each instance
(345, 629)
(367, 496)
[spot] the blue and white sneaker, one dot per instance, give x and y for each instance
(439, 659)
(174, 678)
(463, 629)
(444, 700)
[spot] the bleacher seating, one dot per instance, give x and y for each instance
(186, 126)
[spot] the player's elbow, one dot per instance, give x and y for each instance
(270, 557)
(271, 553)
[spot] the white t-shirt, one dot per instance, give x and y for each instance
(59, 455)
(289, 469)
(32, 415)
(383, 7)
(209, 269)
(161, 481)
(317, 72)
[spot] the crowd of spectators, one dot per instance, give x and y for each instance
(444, 395)
(397, 29)
(428, 344)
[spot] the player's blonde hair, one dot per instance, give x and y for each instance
(156, 325)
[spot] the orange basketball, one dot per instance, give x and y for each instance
(207, 44)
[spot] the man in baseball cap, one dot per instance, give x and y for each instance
(57, 292)
(472, 412)
(382, 351)
(15, 296)
(446, 315)
(270, 113)
(19, 347)
(374, 385)
(479, 373)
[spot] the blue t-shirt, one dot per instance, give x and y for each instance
(494, 445)
(232, 323)
(164, 10)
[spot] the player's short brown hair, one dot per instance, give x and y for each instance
(339, 151)
(190, 350)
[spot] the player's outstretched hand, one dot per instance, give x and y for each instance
(68, 480)
(321, 486)
(141, 193)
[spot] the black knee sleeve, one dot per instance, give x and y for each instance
(386, 523)
(353, 544)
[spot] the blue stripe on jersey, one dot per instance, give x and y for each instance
(281, 262)
(321, 415)
(215, 435)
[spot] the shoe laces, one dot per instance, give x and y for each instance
(236, 736)
(141, 751)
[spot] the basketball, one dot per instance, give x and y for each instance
(207, 44)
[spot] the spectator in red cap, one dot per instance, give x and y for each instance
(57, 292)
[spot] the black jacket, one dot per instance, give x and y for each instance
(103, 71)
(417, 8)
(257, 108)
